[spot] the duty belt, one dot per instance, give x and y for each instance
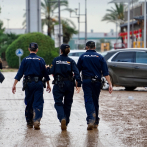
(29, 79)
(91, 78)
(33, 79)
(60, 80)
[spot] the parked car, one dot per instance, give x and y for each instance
(128, 67)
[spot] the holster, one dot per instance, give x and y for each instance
(25, 81)
(93, 79)
(59, 80)
(102, 82)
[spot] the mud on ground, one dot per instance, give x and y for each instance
(126, 114)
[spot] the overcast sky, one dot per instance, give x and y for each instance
(96, 9)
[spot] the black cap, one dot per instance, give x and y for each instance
(64, 46)
(33, 46)
(90, 43)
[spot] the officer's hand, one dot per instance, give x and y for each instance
(48, 89)
(13, 89)
(78, 89)
(110, 89)
(47, 66)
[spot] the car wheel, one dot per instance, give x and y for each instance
(130, 88)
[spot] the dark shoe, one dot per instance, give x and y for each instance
(90, 126)
(63, 124)
(36, 125)
(30, 124)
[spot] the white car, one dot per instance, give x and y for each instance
(75, 54)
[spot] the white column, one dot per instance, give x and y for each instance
(128, 30)
(33, 16)
(145, 24)
(116, 32)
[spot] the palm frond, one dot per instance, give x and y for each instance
(113, 15)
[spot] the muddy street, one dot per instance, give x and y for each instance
(123, 120)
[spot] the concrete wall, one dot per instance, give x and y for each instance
(33, 16)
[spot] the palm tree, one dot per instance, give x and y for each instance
(114, 15)
(6, 40)
(48, 10)
(1, 32)
(68, 31)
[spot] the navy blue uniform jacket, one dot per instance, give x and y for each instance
(64, 66)
(92, 64)
(32, 65)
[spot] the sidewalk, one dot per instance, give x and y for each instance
(14, 133)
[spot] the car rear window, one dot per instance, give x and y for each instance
(72, 54)
(141, 57)
(108, 55)
(124, 57)
(78, 54)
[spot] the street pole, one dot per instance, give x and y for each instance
(116, 32)
(132, 24)
(128, 30)
(59, 26)
(8, 23)
(82, 22)
(85, 21)
(79, 25)
(145, 24)
(19, 61)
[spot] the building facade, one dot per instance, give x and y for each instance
(98, 37)
(136, 26)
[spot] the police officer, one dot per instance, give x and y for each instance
(93, 66)
(62, 68)
(33, 68)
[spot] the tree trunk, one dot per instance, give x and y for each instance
(49, 31)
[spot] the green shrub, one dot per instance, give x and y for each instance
(45, 43)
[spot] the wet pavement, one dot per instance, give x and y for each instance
(122, 124)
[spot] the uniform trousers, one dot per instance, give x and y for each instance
(63, 97)
(34, 101)
(91, 98)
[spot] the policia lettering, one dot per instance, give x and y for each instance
(93, 66)
(33, 69)
(62, 68)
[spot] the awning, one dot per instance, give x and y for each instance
(141, 17)
(131, 23)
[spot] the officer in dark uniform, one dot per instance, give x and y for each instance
(93, 66)
(33, 68)
(62, 69)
